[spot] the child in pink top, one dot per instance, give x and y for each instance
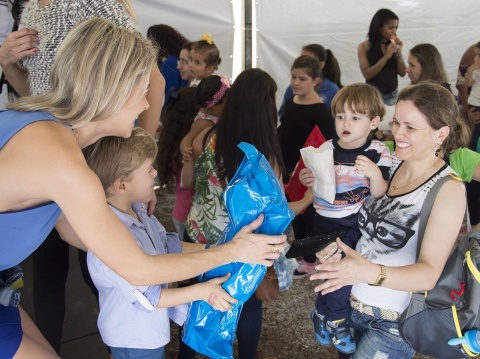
(202, 105)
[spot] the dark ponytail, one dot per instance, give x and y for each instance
(331, 70)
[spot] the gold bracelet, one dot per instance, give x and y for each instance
(381, 277)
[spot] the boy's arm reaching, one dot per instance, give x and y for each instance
(210, 291)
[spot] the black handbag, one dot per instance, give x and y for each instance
(452, 307)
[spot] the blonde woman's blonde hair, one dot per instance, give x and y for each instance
(113, 158)
(96, 68)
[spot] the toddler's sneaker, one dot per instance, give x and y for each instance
(319, 325)
(304, 268)
(336, 332)
(341, 336)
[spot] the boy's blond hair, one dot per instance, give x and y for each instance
(360, 98)
(113, 158)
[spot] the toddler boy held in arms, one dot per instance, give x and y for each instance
(361, 169)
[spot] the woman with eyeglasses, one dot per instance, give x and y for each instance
(383, 268)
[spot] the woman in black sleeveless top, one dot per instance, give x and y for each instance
(380, 56)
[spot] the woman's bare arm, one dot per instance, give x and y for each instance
(50, 151)
(106, 236)
(67, 234)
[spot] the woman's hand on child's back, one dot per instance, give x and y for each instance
(474, 66)
(215, 295)
(307, 177)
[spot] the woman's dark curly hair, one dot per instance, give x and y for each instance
(169, 40)
(177, 120)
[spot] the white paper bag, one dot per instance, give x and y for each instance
(320, 162)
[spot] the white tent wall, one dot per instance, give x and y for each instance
(192, 19)
(283, 27)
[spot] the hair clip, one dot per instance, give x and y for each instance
(208, 39)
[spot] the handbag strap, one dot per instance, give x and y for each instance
(427, 208)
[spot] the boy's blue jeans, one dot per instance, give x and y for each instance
(390, 98)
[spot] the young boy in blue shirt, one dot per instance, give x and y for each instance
(134, 320)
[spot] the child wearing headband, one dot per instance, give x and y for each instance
(211, 94)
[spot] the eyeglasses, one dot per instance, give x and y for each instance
(182, 62)
(391, 234)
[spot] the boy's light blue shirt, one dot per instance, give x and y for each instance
(123, 321)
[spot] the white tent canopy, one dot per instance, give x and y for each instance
(281, 28)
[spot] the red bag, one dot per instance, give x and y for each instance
(294, 189)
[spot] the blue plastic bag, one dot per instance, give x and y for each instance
(253, 190)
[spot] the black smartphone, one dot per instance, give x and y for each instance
(307, 246)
